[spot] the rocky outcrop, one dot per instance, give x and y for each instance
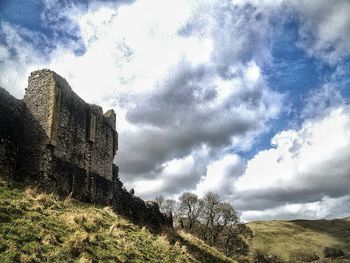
(57, 141)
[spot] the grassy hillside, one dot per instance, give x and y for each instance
(287, 237)
(37, 227)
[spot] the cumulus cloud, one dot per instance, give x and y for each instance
(325, 28)
(221, 175)
(177, 82)
(327, 207)
(319, 100)
(305, 166)
(18, 57)
(187, 82)
(195, 108)
(323, 25)
(172, 177)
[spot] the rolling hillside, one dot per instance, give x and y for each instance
(37, 227)
(287, 237)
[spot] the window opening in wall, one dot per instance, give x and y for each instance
(92, 129)
(54, 110)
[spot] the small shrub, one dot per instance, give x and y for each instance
(303, 256)
(77, 243)
(243, 259)
(10, 256)
(261, 256)
(85, 258)
(79, 219)
(170, 234)
(4, 218)
(3, 245)
(331, 252)
(45, 199)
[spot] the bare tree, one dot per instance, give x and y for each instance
(214, 221)
(169, 206)
(235, 240)
(210, 203)
(159, 200)
(215, 217)
(191, 206)
(225, 215)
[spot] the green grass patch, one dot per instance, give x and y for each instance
(38, 227)
(287, 238)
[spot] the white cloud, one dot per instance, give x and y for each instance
(325, 208)
(253, 72)
(305, 166)
(302, 153)
(319, 100)
(325, 28)
(17, 58)
(186, 82)
(324, 25)
(221, 175)
(128, 49)
(174, 177)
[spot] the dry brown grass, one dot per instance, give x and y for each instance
(39, 227)
(287, 238)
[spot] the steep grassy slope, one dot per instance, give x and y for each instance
(287, 237)
(37, 227)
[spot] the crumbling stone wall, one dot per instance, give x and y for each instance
(141, 212)
(74, 143)
(11, 111)
(57, 141)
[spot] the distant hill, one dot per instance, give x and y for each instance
(287, 237)
(37, 227)
(347, 218)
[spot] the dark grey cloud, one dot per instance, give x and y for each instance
(183, 113)
(308, 188)
(177, 183)
(175, 98)
(208, 105)
(275, 197)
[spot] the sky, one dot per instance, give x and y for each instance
(248, 99)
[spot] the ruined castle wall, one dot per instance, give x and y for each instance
(75, 142)
(10, 132)
(34, 153)
(55, 140)
(84, 135)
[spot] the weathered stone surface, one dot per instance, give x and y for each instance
(73, 146)
(63, 144)
(11, 111)
(144, 213)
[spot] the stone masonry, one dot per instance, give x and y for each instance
(57, 141)
(11, 111)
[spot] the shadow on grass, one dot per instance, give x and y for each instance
(337, 228)
(199, 252)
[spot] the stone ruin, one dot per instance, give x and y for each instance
(55, 140)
